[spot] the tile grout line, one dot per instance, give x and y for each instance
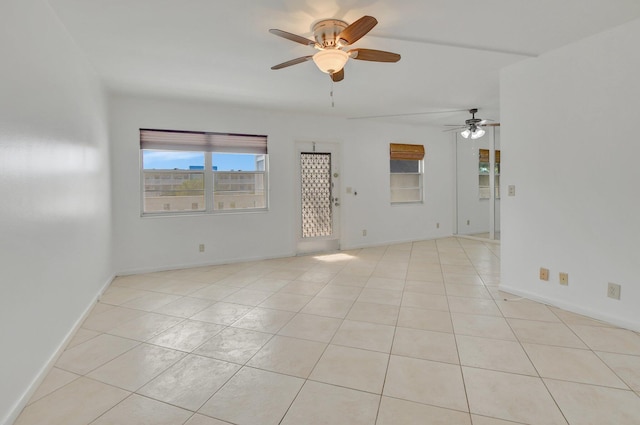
(393, 338)
(538, 373)
(455, 340)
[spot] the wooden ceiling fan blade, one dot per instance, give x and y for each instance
(454, 129)
(493, 124)
(373, 55)
(292, 62)
(338, 76)
(357, 30)
(292, 37)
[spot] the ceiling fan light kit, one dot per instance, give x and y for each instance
(473, 126)
(477, 133)
(331, 37)
(330, 61)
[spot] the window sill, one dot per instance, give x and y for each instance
(203, 213)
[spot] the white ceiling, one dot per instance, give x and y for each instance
(452, 50)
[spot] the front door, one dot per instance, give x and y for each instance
(318, 223)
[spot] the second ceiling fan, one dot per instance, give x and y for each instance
(332, 36)
(473, 126)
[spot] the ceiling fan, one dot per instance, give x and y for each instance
(473, 126)
(332, 36)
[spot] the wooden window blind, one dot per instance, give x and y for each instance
(406, 152)
(484, 155)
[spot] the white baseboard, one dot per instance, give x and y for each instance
(44, 371)
(394, 242)
(616, 321)
(126, 272)
(475, 238)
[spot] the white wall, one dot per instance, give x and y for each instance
(366, 168)
(54, 184)
(570, 146)
(169, 242)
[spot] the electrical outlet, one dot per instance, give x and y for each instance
(544, 273)
(613, 291)
(201, 247)
(512, 190)
(564, 278)
(364, 232)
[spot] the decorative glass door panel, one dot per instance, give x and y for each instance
(316, 198)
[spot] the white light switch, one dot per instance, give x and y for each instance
(512, 190)
(349, 190)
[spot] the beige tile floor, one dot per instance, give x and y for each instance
(414, 333)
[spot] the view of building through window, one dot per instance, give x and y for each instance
(176, 181)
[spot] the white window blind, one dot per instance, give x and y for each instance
(202, 141)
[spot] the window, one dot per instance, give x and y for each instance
(406, 169)
(202, 172)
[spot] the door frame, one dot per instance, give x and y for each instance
(324, 243)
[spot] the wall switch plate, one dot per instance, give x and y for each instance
(613, 291)
(544, 273)
(468, 222)
(349, 189)
(511, 190)
(564, 278)
(437, 225)
(201, 247)
(364, 232)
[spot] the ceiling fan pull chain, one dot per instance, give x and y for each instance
(331, 95)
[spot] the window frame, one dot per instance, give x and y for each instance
(210, 199)
(407, 152)
(420, 187)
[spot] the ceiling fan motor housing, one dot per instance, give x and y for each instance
(473, 121)
(326, 32)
